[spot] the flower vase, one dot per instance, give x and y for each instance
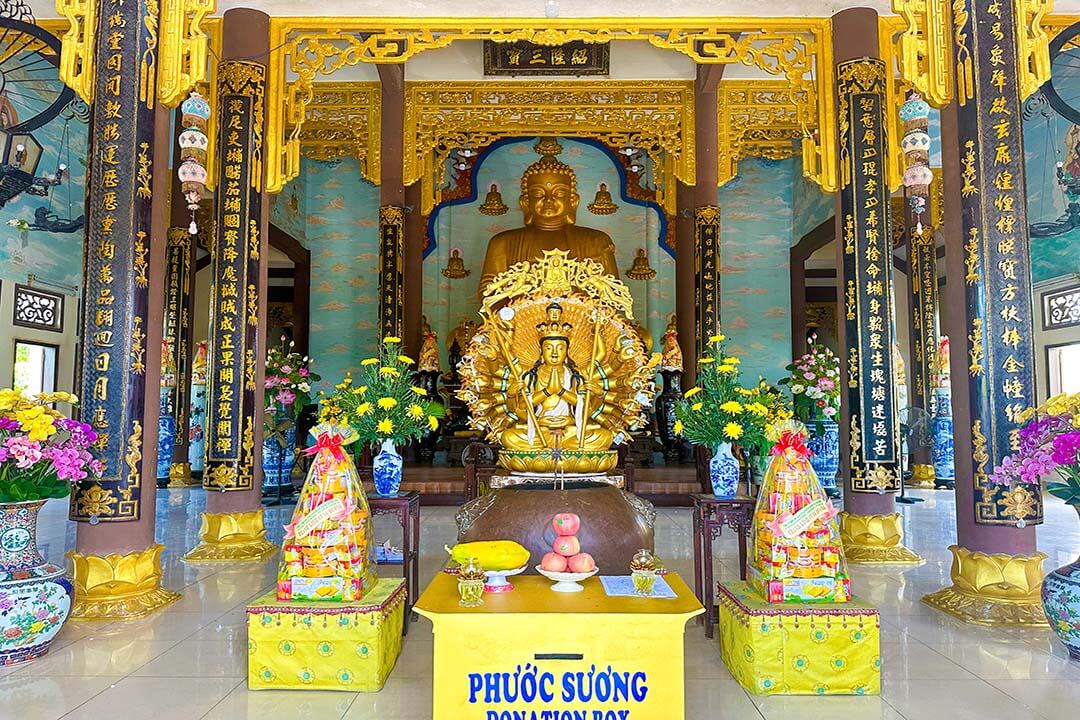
(724, 472)
(386, 468)
(166, 433)
(196, 428)
(941, 428)
(35, 597)
(279, 453)
(1061, 603)
(824, 442)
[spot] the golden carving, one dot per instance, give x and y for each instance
(78, 46)
(455, 266)
(549, 201)
(148, 62)
(248, 79)
(759, 118)
(656, 116)
(796, 49)
(221, 477)
(602, 203)
(641, 270)
(965, 64)
(875, 540)
(925, 48)
(557, 372)
(95, 501)
(978, 450)
(344, 120)
(922, 476)
(232, 537)
(180, 475)
(182, 48)
(1032, 45)
(133, 456)
(493, 202)
(1000, 589)
(138, 349)
(117, 587)
(142, 267)
(863, 76)
(977, 352)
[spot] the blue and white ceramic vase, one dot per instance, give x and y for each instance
(35, 597)
(941, 427)
(824, 442)
(724, 472)
(197, 429)
(386, 467)
(166, 433)
(1061, 603)
(279, 453)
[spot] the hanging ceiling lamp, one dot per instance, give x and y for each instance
(915, 114)
(195, 113)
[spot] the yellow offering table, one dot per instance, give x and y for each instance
(788, 649)
(326, 645)
(533, 653)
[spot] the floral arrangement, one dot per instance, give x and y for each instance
(382, 403)
(287, 386)
(777, 411)
(1049, 443)
(815, 383)
(42, 452)
(719, 410)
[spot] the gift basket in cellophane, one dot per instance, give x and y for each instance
(329, 548)
(797, 555)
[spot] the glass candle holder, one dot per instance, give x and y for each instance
(644, 581)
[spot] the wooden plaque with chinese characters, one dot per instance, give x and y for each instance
(576, 57)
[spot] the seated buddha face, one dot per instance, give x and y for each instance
(549, 200)
(553, 351)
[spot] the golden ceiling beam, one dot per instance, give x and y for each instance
(655, 115)
(343, 120)
(755, 118)
(798, 50)
(77, 46)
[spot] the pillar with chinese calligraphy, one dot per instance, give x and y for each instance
(116, 565)
(918, 233)
(232, 526)
(179, 299)
(996, 570)
(392, 213)
(869, 423)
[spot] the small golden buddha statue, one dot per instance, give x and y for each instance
(455, 266)
(602, 204)
(669, 342)
(493, 204)
(549, 202)
(555, 414)
(429, 348)
(641, 270)
(464, 331)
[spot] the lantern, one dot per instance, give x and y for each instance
(195, 114)
(915, 114)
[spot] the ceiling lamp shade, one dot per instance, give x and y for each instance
(195, 114)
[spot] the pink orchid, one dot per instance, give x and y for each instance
(303, 372)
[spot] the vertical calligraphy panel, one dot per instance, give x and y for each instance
(177, 329)
(922, 261)
(997, 270)
(391, 273)
(115, 259)
(867, 277)
(232, 400)
(707, 273)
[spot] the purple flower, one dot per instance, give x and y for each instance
(1034, 467)
(6, 603)
(1067, 448)
(7, 423)
(69, 463)
(26, 452)
(285, 397)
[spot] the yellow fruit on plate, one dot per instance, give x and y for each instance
(491, 554)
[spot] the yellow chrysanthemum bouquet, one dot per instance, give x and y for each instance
(719, 410)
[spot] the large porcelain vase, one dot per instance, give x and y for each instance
(1061, 602)
(279, 455)
(35, 597)
(824, 442)
(724, 472)
(386, 468)
(941, 428)
(166, 433)
(666, 401)
(197, 429)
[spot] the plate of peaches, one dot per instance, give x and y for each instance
(566, 564)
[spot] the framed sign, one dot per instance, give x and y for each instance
(576, 57)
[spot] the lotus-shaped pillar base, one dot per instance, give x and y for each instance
(999, 589)
(875, 540)
(232, 537)
(116, 587)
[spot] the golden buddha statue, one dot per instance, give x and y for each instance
(672, 353)
(549, 202)
(429, 348)
(557, 374)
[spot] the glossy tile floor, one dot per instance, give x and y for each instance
(189, 662)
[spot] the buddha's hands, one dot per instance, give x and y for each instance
(554, 422)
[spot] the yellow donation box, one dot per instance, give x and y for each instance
(788, 649)
(326, 645)
(533, 653)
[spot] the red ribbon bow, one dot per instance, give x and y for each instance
(793, 441)
(328, 441)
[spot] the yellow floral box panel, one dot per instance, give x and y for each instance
(793, 649)
(326, 645)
